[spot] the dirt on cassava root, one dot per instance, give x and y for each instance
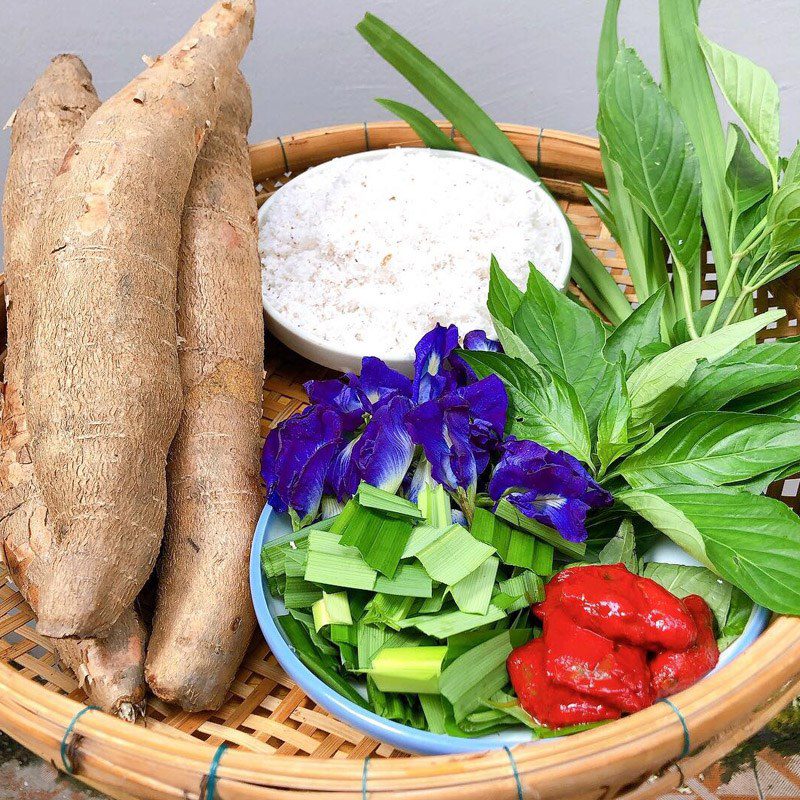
(204, 616)
(102, 382)
(44, 126)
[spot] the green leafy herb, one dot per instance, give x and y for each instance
(431, 134)
(621, 549)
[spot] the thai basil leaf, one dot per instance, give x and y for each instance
(541, 407)
(622, 548)
(684, 580)
(504, 296)
(792, 172)
(747, 179)
(749, 540)
(654, 387)
(738, 616)
(431, 134)
(688, 87)
(566, 337)
(612, 425)
(714, 448)
(751, 93)
(640, 329)
(647, 138)
(713, 386)
(783, 214)
(680, 332)
(632, 228)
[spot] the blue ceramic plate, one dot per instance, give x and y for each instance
(272, 525)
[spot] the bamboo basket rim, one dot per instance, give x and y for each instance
(717, 713)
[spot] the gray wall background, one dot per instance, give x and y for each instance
(526, 61)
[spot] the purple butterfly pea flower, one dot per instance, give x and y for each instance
(380, 455)
(296, 458)
(353, 396)
(432, 375)
(474, 340)
(551, 487)
(458, 431)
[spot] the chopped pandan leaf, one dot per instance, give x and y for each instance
(372, 638)
(473, 593)
(433, 604)
(462, 642)
(295, 563)
(485, 721)
(449, 623)
(380, 539)
(388, 610)
(381, 500)
(409, 580)
(413, 670)
(524, 590)
(453, 555)
(400, 708)
(273, 554)
(509, 513)
(435, 711)
(299, 593)
(331, 609)
(509, 705)
(476, 675)
(421, 537)
(341, 633)
(515, 548)
(434, 503)
(277, 586)
(341, 521)
(324, 667)
(320, 642)
(330, 563)
(320, 525)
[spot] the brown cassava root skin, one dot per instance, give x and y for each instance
(204, 617)
(55, 109)
(102, 388)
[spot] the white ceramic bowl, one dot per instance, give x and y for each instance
(318, 350)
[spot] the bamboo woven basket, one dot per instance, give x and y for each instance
(281, 744)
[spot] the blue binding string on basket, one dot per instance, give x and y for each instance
(66, 760)
(687, 741)
(210, 780)
(514, 769)
(364, 778)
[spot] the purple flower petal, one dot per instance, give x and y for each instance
(568, 517)
(379, 382)
(343, 478)
(339, 397)
(384, 451)
(296, 458)
(551, 487)
(478, 340)
(431, 376)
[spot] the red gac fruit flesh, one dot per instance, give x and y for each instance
(552, 705)
(611, 601)
(580, 659)
(675, 671)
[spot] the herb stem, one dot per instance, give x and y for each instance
(683, 280)
(723, 293)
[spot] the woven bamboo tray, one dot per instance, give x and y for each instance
(281, 744)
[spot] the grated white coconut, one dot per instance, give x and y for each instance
(367, 255)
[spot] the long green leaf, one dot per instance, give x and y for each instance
(632, 227)
(545, 409)
(752, 94)
(651, 387)
(647, 138)
(431, 134)
(714, 448)
(747, 179)
(750, 540)
(489, 141)
(688, 87)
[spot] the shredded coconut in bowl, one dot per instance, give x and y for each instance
(366, 255)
